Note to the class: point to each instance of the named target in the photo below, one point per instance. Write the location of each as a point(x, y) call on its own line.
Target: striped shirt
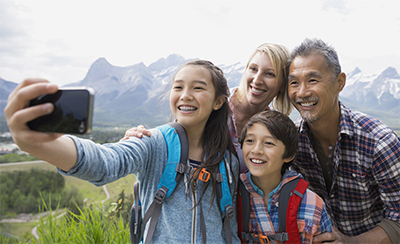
point(312, 217)
point(366, 172)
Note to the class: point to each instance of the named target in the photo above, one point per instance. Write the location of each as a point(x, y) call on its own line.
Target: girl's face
point(192, 97)
point(263, 154)
point(262, 83)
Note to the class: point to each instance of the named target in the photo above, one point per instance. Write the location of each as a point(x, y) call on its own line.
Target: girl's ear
point(218, 103)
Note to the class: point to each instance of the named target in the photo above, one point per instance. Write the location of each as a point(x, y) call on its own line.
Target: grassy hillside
point(91, 192)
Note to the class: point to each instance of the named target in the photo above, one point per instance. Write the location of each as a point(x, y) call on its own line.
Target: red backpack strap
point(289, 201)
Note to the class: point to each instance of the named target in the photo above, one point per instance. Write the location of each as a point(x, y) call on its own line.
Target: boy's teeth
point(256, 161)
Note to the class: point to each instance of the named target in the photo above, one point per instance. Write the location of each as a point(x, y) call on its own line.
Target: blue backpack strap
point(178, 150)
point(225, 199)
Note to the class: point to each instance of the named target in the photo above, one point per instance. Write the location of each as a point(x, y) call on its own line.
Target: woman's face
point(192, 97)
point(262, 85)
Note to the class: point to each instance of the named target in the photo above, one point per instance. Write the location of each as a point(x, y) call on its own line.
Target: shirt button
point(354, 175)
point(329, 156)
point(332, 195)
point(277, 204)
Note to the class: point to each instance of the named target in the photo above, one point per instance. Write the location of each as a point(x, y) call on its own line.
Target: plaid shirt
point(312, 217)
point(366, 180)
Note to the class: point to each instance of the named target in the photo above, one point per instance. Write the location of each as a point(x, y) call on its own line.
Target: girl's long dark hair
point(217, 139)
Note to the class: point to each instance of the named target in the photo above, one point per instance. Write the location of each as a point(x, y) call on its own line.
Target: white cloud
point(60, 39)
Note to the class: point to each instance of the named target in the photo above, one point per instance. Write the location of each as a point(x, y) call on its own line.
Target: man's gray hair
point(310, 46)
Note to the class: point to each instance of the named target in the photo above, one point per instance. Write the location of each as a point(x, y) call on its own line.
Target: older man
point(350, 159)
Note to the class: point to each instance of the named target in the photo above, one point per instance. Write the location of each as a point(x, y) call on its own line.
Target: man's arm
point(376, 235)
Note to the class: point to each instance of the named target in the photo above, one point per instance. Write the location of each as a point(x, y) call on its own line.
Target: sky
point(59, 40)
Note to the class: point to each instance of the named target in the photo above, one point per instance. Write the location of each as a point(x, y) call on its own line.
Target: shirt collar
point(345, 124)
point(259, 191)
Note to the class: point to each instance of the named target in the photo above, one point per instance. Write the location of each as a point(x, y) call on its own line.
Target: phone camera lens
point(82, 127)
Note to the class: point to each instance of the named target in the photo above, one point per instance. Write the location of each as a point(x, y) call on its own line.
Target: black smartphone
point(73, 110)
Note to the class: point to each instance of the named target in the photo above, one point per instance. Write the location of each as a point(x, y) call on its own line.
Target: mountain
point(377, 95)
point(6, 87)
point(135, 94)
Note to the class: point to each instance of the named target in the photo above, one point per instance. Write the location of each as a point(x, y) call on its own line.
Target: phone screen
point(72, 112)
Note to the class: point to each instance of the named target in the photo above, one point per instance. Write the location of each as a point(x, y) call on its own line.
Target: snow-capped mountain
point(134, 94)
point(373, 91)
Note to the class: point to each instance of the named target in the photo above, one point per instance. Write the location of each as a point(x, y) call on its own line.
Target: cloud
point(60, 39)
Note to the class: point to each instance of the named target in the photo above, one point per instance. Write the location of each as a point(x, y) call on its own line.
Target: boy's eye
point(248, 140)
point(177, 87)
point(199, 88)
point(269, 143)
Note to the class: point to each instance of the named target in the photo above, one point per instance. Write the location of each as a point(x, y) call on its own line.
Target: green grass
point(88, 190)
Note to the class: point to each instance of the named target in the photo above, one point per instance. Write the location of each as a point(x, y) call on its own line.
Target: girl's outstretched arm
point(53, 148)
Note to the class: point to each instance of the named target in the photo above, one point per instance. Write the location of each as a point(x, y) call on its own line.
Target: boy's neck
point(267, 185)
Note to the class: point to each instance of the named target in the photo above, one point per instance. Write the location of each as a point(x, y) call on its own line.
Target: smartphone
point(73, 110)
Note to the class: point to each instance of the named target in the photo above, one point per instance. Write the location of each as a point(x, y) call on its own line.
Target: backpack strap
point(289, 201)
point(135, 219)
point(224, 197)
point(243, 211)
point(290, 198)
point(174, 134)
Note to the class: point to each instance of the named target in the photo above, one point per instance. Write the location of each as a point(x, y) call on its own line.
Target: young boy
point(269, 143)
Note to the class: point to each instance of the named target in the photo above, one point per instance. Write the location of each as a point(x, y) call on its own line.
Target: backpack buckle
point(229, 211)
point(204, 175)
point(160, 195)
point(262, 238)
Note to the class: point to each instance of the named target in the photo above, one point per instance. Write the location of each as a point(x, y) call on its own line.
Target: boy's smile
point(263, 154)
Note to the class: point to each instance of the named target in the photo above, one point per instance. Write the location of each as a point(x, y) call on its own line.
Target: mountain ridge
point(134, 94)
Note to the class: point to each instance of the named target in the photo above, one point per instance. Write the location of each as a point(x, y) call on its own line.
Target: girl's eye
point(199, 88)
point(248, 140)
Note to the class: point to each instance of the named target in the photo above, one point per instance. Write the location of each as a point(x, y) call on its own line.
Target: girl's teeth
point(187, 108)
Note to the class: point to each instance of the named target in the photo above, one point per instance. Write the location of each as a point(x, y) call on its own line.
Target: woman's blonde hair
point(279, 56)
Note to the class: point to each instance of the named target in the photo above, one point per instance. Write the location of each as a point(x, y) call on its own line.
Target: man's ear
point(218, 103)
point(341, 80)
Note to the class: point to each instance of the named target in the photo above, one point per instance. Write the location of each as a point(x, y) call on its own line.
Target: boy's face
point(263, 154)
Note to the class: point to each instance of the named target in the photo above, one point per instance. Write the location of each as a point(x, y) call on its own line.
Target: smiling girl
point(198, 100)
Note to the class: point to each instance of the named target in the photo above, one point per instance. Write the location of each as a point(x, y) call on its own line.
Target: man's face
point(313, 89)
